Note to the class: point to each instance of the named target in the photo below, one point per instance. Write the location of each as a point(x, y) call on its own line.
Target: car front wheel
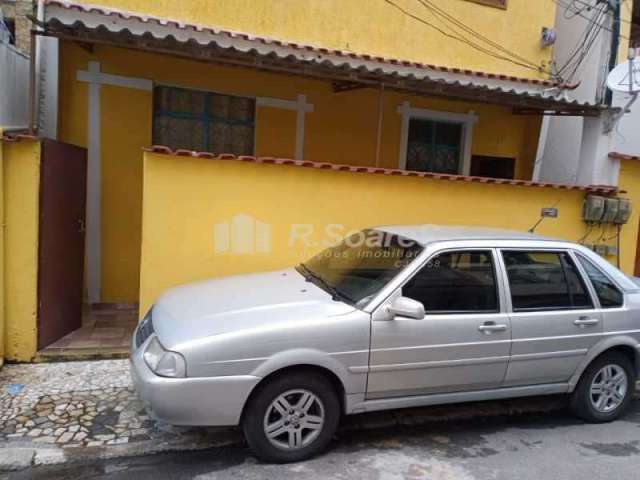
point(292, 418)
point(605, 389)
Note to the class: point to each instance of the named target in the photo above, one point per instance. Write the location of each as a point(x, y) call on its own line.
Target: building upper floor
point(494, 36)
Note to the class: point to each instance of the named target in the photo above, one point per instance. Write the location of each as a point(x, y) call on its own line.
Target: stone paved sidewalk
point(82, 411)
point(62, 409)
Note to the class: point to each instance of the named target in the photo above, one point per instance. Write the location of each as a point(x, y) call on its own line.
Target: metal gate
point(63, 188)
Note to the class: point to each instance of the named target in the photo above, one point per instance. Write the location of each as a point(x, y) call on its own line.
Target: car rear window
point(542, 280)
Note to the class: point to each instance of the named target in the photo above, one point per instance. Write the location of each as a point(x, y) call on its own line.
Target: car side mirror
point(406, 307)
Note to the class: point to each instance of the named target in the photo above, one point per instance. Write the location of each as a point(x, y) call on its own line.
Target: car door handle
point(584, 321)
point(489, 328)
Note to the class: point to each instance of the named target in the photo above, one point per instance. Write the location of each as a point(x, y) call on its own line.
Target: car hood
point(227, 305)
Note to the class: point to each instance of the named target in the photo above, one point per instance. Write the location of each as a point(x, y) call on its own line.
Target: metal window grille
point(203, 121)
point(434, 146)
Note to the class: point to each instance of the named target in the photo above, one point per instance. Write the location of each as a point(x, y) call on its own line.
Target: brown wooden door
point(63, 190)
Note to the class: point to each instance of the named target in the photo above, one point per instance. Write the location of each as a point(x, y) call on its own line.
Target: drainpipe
point(615, 44)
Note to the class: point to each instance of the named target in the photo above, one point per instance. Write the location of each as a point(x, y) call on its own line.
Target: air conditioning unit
point(602, 250)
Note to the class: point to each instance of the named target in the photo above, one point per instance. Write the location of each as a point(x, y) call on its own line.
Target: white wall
point(565, 157)
point(14, 89)
point(627, 132)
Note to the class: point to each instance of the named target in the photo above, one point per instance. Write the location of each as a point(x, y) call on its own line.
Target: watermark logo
point(243, 234)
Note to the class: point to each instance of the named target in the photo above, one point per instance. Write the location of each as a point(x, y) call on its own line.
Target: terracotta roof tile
point(160, 149)
point(16, 137)
point(623, 156)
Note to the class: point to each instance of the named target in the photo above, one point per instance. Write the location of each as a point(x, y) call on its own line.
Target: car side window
point(456, 282)
point(541, 280)
point(608, 294)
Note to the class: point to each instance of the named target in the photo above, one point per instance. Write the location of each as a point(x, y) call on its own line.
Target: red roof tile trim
point(623, 156)
point(125, 15)
point(602, 189)
point(16, 137)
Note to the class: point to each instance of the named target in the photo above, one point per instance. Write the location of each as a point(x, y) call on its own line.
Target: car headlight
point(164, 362)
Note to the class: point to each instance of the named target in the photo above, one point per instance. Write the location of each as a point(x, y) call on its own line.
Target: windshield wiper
point(313, 277)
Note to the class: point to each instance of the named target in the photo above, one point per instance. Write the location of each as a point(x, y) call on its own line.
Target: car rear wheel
point(292, 418)
point(605, 389)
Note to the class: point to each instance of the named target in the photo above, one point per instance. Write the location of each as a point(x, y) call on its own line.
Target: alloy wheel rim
point(294, 419)
point(608, 388)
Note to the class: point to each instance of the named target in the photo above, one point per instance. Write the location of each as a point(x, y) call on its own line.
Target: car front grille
point(145, 329)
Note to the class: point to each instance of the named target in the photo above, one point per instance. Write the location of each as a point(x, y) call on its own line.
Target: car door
point(463, 341)
point(554, 319)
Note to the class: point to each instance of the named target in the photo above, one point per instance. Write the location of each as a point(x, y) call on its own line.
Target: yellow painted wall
point(625, 29)
point(374, 26)
point(125, 127)
point(21, 180)
point(185, 197)
point(630, 182)
point(342, 129)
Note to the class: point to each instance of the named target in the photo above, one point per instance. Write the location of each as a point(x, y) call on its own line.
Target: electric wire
point(584, 237)
point(453, 36)
point(583, 47)
point(445, 17)
point(565, 5)
point(623, 20)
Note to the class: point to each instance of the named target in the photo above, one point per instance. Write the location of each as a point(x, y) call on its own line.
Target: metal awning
point(346, 70)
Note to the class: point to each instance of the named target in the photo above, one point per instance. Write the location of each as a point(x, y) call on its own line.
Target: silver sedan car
point(392, 317)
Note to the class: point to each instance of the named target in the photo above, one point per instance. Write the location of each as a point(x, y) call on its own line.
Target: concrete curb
point(22, 457)
point(16, 458)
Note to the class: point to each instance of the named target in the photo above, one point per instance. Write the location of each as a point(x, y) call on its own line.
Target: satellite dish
point(625, 77)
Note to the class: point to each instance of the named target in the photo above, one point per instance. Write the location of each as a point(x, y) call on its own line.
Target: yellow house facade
point(338, 127)
point(453, 88)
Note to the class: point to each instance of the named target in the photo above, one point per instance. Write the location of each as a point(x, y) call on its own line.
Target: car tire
point(598, 397)
point(292, 417)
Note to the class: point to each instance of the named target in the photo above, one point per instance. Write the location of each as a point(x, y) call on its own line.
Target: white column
point(405, 111)
point(301, 111)
point(93, 214)
point(301, 107)
point(93, 249)
point(596, 168)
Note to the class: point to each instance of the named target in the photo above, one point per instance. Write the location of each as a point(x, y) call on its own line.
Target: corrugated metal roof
point(117, 27)
point(601, 189)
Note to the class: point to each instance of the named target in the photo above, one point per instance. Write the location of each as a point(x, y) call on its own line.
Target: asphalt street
point(552, 445)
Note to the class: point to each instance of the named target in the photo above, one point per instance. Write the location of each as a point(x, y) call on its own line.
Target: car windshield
point(361, 265)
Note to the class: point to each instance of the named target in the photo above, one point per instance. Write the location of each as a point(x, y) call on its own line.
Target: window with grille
point(203, 121)
point(434, 146)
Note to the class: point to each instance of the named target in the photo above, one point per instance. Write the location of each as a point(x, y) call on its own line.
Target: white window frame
point(467, 120)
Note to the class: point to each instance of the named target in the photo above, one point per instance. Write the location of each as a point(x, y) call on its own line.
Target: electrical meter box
point(610, 210)
point(593, 209)
point(624, 211)
point(601, 250)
